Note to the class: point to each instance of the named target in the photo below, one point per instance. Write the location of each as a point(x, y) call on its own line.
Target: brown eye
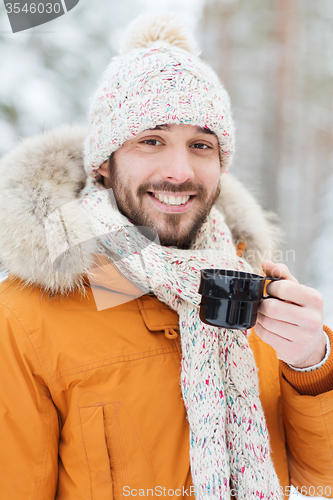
point(200, 145)
point(152, 142)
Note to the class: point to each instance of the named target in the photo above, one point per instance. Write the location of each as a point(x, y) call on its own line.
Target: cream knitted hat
point(158, 79)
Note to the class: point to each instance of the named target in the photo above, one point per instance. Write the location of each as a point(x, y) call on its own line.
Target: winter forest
point(275, 58)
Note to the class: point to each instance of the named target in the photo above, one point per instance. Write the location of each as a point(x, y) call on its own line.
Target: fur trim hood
point(46, 172)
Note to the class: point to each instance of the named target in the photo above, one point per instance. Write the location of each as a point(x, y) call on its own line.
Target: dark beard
point(140, 218)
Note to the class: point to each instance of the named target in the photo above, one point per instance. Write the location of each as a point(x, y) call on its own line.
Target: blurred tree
point(276, 60)
point(49, 73)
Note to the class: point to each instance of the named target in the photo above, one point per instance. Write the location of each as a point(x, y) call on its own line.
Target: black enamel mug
point(230, 299)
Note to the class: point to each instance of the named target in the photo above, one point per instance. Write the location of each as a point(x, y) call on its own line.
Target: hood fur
point(44, 173)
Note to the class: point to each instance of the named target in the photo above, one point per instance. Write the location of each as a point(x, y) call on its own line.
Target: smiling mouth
point(171, 199)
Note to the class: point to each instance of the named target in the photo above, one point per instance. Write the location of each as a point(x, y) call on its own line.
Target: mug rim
point(231, 273)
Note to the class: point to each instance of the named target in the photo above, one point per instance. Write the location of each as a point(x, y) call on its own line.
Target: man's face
point(166, 178)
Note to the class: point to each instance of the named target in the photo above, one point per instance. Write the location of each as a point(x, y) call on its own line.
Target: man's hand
point(293, 326)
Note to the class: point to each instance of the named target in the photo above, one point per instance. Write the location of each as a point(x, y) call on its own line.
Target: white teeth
point(172, 200)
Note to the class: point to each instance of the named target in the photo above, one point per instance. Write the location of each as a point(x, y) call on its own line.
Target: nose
point(177, 167)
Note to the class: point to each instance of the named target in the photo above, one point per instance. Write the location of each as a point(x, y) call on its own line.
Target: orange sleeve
point(308, 422)
point(315, 382)
point(29, 430)
point(307, 407)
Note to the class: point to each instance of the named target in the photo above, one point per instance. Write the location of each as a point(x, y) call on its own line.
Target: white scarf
point(229, 442)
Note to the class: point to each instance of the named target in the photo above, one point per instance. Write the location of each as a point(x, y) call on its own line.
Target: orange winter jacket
point(90, 398)
point(91, 404)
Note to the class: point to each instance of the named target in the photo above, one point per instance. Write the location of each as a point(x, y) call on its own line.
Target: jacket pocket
point(115, 456)
point(130, 468)
point(92, 424)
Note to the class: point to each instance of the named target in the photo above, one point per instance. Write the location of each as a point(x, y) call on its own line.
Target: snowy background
point(276, 60)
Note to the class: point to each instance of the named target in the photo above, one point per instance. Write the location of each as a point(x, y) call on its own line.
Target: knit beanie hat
point(158, 79)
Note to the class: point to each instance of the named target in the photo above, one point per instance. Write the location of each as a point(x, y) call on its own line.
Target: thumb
point(270, 268)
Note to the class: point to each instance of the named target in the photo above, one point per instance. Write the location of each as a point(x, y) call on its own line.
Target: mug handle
point(271, 278)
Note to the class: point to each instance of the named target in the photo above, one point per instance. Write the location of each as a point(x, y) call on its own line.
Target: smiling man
point(175, 182)
point(110, 392)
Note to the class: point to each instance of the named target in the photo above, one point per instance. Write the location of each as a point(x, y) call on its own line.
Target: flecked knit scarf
point(229, 442)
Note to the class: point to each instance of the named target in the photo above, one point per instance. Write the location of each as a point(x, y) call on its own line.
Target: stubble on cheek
point(171, 228)
point(179, 230)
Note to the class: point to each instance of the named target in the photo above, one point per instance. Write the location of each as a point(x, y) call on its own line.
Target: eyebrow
point(167, 127)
